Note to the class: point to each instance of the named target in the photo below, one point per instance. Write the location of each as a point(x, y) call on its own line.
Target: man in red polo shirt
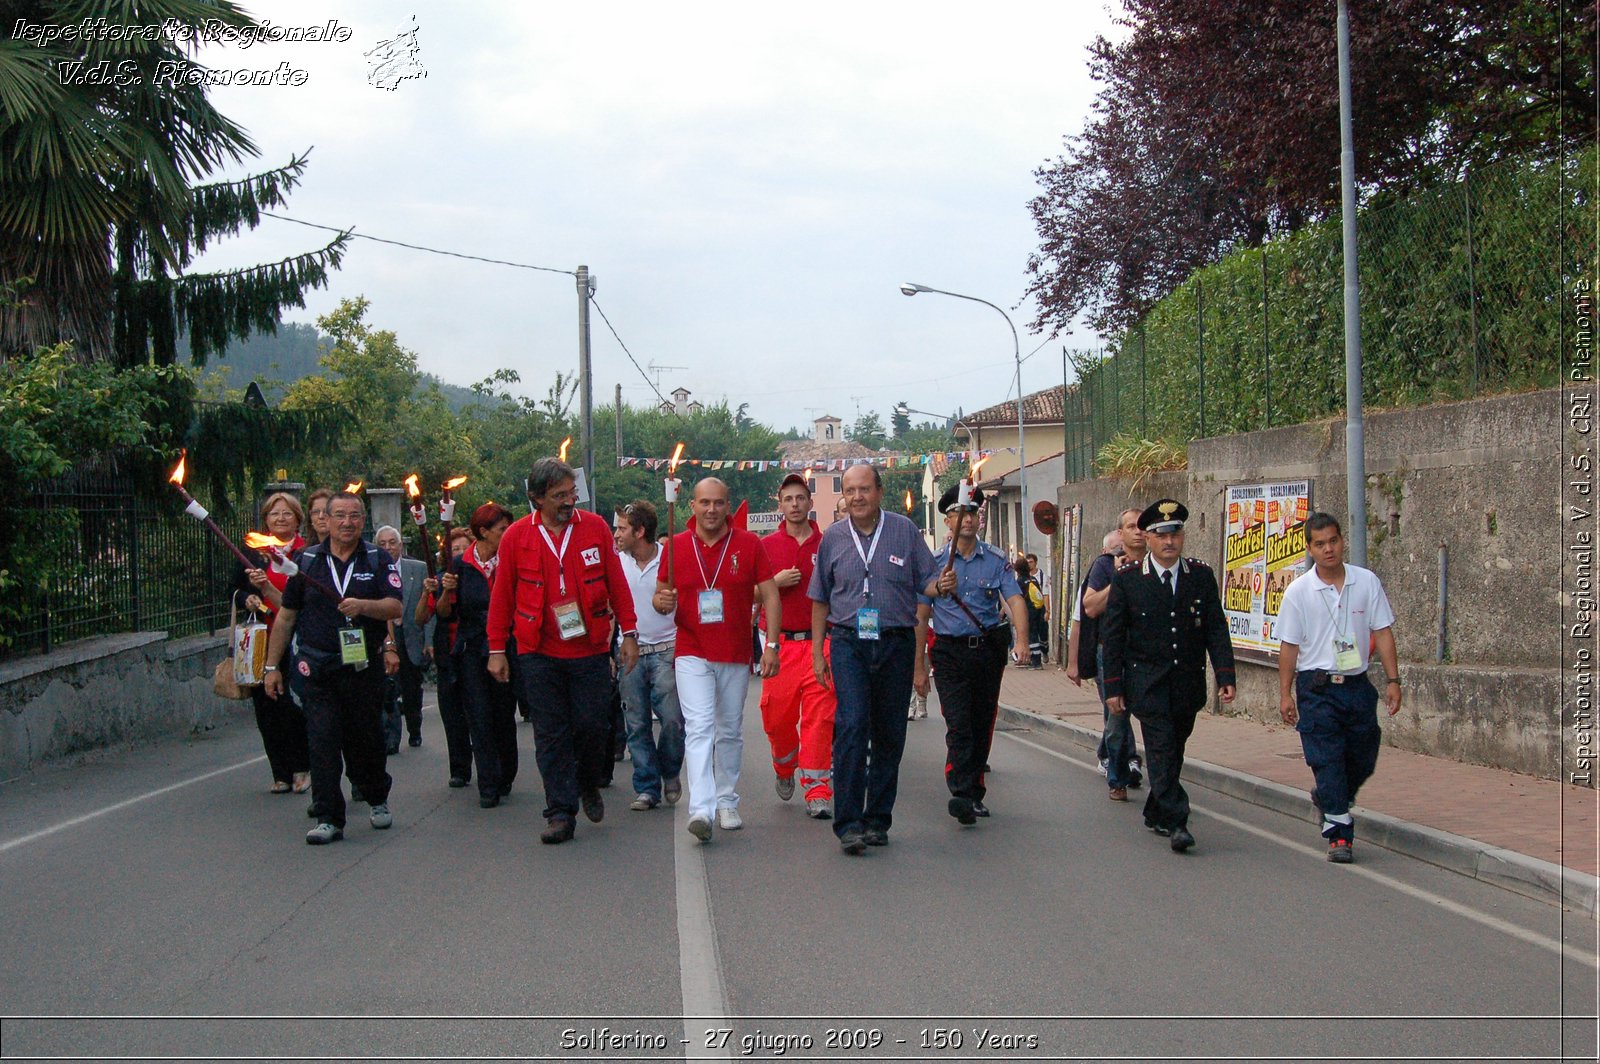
point(796, 710)
point(717, 571)
point(560, 587)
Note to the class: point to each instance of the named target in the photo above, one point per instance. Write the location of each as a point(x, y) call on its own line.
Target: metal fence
point(92, 556)
point(1460, 296)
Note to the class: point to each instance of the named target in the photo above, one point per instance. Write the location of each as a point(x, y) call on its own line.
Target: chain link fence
point(1461, 295)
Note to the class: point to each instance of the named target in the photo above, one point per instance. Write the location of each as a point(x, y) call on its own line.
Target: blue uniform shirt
point(983, 581)
point(901, 566)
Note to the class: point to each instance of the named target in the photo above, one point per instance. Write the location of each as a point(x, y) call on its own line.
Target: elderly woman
point(490, 707)
point(259, 589)
point(452, 714)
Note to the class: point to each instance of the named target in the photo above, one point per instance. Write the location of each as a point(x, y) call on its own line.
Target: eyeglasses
point(563, 496)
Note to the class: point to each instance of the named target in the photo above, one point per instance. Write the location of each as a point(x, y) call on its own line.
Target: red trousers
point(797, 713)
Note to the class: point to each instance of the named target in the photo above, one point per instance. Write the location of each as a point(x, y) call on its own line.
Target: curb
point(1507, 869)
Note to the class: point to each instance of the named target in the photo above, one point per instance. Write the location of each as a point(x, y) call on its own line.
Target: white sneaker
point(323, 834)
point(700, 828)
point(380, 817)
point(728, 819)
point(642, 802)
point(1105, 766)
point(818, 809)
point(785, 786)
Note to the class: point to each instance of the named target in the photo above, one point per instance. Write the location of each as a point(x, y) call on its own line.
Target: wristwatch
point(269, 668)
point(1394, 680)
point(771, 645)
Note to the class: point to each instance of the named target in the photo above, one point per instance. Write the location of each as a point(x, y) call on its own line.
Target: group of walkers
point(570, 618)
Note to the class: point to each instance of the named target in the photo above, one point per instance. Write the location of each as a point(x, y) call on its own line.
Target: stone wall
point(1481, 479)
point(130, 688)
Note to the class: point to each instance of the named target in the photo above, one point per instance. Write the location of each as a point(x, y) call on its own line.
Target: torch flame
point(260, 541)
point(908, 500)
point(677, 456)
point(411, 486)
point(180, 471)
point(564, 445)
point(454, 482)
point(354, 486)
point(973, 474)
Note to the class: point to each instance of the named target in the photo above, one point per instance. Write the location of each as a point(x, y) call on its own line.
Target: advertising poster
point(1263, 549)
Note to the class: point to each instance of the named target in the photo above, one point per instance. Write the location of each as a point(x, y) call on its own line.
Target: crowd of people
point(606, 634)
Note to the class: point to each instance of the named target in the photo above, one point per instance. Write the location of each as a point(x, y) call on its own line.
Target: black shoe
point(1341, 852)
point(961, 809)
point(875, 837)
point(1134, 779)
point(488, 801)
point(853, 842)
point(1181, 840)
point(458, 781)
point(416, 740)
point(394, 750)
point(558, 829)
point(505, 790)
point(355, 794)
point(594, 807)
point(311, 810)
point(979, 809)
point(1158, 829)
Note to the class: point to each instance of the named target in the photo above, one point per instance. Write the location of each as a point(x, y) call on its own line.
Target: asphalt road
point(159, 903)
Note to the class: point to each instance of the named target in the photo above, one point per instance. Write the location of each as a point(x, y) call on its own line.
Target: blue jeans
point(652, 688)
point(1116, 739)
point(872, 681)
point(1340, 735)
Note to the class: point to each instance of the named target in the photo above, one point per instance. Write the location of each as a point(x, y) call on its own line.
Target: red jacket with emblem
point(527, 587)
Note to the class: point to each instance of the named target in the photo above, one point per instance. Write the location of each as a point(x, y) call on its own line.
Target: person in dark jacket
point(452, 714)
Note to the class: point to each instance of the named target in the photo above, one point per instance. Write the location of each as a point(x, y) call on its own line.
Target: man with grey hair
point(404, 688)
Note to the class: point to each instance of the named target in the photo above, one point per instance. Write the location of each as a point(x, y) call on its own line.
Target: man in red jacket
point(559, 588)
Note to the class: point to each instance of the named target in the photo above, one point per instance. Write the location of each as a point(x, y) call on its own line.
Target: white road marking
point(1428, 896)
point(705, 1002)
point(23, 840)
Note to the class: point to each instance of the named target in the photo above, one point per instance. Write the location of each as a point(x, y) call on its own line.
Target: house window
point(838, 484)
point(827, 432)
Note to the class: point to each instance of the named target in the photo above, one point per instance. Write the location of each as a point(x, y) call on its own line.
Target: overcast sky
point(749, 183)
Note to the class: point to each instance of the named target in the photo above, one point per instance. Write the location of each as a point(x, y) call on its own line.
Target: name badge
point(867, 623)
point(1345, 656)
point(353, 647)
point(569, 620)
point(711, 606)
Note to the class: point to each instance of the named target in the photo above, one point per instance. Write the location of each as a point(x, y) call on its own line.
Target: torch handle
point(672, 530)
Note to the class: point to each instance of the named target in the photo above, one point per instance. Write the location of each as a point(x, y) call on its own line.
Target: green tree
point(868, 431)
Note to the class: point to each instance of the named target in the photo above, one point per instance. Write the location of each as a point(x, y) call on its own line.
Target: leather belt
point(797, 637)
point(972, 642)
point(657, 648)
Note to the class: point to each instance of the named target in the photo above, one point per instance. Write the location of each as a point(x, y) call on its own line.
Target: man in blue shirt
point(863, 596)
point(969, 647)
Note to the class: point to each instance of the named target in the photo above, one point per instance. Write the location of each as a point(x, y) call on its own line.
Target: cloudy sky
point(749, 183)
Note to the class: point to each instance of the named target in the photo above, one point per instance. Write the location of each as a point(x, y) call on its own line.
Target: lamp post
point(910, 289)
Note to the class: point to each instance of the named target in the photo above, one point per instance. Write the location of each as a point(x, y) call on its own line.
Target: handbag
point(224, 678)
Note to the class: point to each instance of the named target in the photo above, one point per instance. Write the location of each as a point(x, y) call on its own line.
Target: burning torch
point(672, 484)
point(276, 549)
point(419, 514)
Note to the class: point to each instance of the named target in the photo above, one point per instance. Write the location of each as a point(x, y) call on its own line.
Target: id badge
point(711, 607)
point(866, 623)
point(569, 620)
point(353, 647)
point(1345, 656)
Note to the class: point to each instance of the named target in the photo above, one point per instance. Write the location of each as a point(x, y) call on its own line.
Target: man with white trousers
point(716, 573)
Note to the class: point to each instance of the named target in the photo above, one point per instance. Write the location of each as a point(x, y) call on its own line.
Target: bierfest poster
point(1263, 549)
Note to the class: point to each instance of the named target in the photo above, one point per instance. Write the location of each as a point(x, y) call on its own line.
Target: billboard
point(1263, 549)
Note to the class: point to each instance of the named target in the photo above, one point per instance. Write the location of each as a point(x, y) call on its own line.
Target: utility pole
point(586, 383)
point(1355, 444)
point(619, 420)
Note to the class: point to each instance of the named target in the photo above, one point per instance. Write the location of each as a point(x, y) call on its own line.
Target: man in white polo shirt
point(1329, 618)
point(652, 686)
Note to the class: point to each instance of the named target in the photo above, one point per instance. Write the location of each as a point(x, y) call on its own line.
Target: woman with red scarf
point(260, 590)
point(491, 709)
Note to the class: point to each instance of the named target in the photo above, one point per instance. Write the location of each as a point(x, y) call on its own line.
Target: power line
point(625, 350)
point(419, 247)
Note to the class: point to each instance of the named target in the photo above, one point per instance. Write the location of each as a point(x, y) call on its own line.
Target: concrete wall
point(136, 687)
point(1482, 479)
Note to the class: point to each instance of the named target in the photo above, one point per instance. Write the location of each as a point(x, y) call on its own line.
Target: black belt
point(797, 637)
point(972, 642)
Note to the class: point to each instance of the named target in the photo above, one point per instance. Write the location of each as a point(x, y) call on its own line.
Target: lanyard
point(1334, 610)
point(561, 555)
point(333, 570)
point(711, 585)
point(866, 555)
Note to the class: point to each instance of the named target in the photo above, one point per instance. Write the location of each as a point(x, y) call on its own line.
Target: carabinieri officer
point(969, 647)
point(1162, 619)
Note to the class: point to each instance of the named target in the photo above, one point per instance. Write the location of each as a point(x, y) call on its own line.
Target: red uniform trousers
point(797, 713)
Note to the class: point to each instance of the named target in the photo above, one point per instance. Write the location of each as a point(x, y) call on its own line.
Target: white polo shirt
point(1312, 613)
point(653, 627)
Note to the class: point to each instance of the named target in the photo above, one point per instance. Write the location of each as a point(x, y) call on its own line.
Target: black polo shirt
point(372, 575)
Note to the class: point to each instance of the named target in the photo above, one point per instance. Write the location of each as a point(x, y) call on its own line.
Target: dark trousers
point(1117, 748)
point(453, 716)
point(345, 733)
point(491, 714)
point(283, 734)
point(968, 678)
point(872, 682)
point(1166, 730)
point(1339, 733)
point(571, 703)
point(403, 697)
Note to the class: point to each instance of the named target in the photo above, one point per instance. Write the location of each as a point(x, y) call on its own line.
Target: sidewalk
point(1500, 826)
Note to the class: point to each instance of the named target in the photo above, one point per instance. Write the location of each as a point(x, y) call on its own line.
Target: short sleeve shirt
point(901, 566)
point(1312, 613)
point(733, 565)
point(785, 552)
point(1101, 570)
point(983, 583)
point(371, 574)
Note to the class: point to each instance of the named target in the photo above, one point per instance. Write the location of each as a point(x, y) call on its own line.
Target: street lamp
point(910, 289)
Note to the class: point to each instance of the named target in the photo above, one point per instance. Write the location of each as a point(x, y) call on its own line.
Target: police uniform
point(969, 659)
point(1159, 627)
point(343, 703)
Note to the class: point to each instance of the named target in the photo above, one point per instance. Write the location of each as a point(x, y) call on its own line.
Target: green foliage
point(1126, 455)
point(1435, 325)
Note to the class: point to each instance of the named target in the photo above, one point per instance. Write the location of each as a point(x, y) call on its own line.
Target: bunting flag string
point(939, 460)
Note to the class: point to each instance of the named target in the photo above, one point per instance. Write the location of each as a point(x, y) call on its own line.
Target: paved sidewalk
point(1539, 819)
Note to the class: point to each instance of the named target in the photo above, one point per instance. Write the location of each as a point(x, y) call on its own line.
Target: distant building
point(994, 428)
point(681, 404)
